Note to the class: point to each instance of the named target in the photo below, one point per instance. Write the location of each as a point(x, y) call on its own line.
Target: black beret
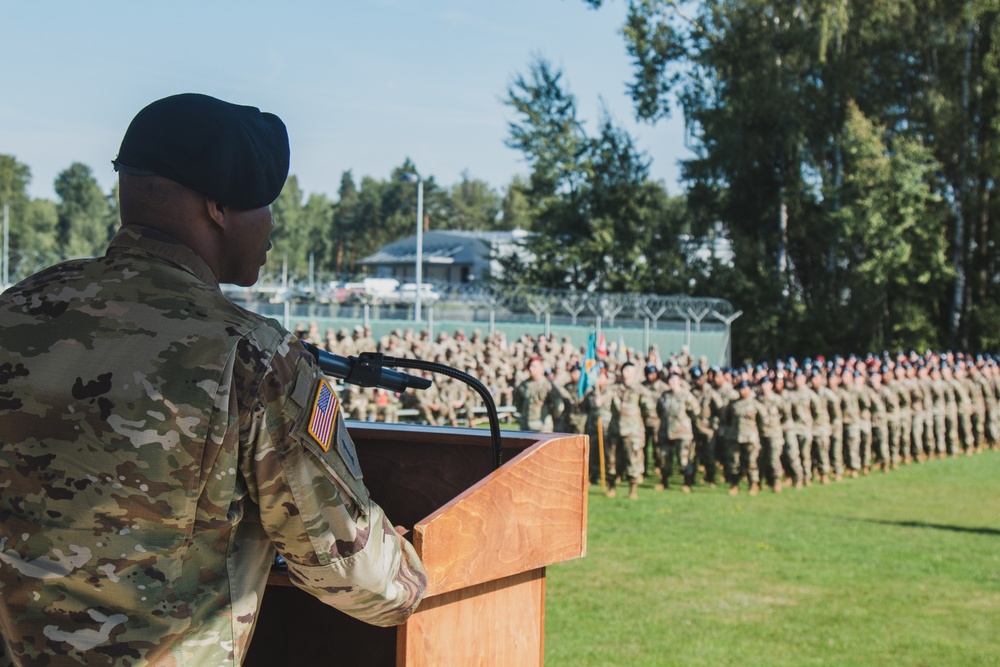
point(233, 154)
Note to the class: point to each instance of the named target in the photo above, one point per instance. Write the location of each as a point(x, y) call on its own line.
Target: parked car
point(374, 290)
point(407, 293)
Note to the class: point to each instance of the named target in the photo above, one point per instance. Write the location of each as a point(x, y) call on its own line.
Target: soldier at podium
point(158, 443)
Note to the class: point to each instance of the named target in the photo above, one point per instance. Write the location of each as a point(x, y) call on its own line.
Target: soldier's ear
point(216, 212)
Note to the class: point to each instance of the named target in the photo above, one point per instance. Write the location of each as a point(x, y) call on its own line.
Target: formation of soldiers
point(777, 424)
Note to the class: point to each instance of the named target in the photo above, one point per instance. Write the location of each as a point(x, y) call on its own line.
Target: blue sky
point(361, 84)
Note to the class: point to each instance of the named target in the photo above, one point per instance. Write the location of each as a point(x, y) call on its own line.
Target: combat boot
point(633, 491)
point(777, 486)
point(754, 488)
point(734, 490)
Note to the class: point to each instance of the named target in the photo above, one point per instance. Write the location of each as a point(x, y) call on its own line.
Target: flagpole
point(600, 450)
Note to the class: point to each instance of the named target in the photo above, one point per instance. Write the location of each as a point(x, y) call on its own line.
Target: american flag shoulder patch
point(324, 414)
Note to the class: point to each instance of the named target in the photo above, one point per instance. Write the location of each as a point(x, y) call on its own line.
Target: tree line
point(844, 150)
point(849, 149)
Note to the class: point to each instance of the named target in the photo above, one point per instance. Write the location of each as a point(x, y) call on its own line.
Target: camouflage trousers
point(951, 437)
point(634, 449)
point(794, 456)
point(772, 449)
point(865, 444)
point(681, 448)
point(742, 462)
point(978, 425)
point(821, 452)
point(939, 431)
point(801, 441)
point(992, 426)
point(966, 437)
point(907, 433)
point(664, 454)
point(895, 435)
point(880, 441)
point(852, 446)
point(595, 455)
point(806, 442)
point(706, 452)
point(837, 449)
point(920, 432)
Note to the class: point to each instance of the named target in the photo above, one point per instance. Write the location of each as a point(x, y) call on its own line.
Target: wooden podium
point(484, 536)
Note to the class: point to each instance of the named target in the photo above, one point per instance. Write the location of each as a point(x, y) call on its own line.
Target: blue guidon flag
point(324, 414)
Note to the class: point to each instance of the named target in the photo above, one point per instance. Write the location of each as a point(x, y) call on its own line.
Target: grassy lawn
point(897, 569)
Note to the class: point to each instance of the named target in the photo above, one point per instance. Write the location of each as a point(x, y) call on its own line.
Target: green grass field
point(887, 570)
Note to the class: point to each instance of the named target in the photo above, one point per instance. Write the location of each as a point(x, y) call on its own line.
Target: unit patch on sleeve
point(323, 418)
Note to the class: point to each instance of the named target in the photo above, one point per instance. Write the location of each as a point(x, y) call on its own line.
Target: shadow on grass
point(937, 526)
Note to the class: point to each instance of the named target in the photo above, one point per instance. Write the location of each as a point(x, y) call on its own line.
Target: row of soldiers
point(815, 422)
point(786, 423)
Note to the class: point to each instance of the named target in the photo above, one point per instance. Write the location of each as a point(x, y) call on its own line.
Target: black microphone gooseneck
point(369, 370)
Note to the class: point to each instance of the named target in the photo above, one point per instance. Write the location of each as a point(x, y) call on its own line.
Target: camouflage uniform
point(773, 435)
point(990, 418)
point(538, 404)
point(877, 400)
point(597, 405)
point(951, 441)
point(922, 404)
point(792, 454)
point(828, 408)
point(629, 409)
point(865, 400)
point(977, 391)
point(704, 431)
point(937, 388)
point(718, 445)
point(655, 389)
point(677, 413)
point(909, 409)
point(802, 401)
point(850, 408)
point(889, 395)
point(744, 418)
point(574, 419)
point(964, 409)
point(155, 448)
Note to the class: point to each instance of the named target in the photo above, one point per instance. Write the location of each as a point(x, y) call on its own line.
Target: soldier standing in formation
point(597, 406)
point(538, 401)
point(744, 418)
point(678, 410)
point(630, 406)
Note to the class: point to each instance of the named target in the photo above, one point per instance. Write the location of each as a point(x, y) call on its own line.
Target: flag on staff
point(602, 346)
point(588, 373)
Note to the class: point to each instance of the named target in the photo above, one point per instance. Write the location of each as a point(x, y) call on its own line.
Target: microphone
point(365, 370)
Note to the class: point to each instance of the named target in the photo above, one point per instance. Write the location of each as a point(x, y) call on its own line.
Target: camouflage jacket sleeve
point(303, 473)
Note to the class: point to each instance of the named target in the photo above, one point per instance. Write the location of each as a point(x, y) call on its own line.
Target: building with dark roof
point(450, 257)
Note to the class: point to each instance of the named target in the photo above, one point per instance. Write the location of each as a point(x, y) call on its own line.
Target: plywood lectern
point(484, 536)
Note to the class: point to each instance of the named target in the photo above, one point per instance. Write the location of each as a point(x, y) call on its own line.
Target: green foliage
point(848, 150)
point(33, 222)
point(84, 213)
point(599, 222)
point(301, 230)
point(473, 205)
